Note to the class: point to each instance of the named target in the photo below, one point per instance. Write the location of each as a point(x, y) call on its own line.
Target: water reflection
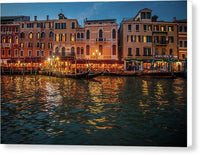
point(104, 111)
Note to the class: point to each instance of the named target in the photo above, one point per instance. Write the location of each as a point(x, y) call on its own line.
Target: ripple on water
point(108, 111)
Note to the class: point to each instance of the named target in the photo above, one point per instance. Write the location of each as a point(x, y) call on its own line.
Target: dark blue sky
point(166, 10)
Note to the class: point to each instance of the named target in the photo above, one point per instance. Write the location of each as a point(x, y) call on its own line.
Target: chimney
point(47, 17)
point(35, 18)
point(174, 19)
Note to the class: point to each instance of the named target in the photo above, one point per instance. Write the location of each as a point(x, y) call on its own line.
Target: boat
point(120, 74)
point(156, 74)
point(77, 76)
point(92, 75)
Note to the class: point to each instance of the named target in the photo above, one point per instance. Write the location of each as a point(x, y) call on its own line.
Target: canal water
point(103, 111)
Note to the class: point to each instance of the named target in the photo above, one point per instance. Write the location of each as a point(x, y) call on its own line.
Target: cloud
point(89, 12)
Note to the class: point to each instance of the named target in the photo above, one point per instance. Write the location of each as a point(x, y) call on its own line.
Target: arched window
point(30, 35)
point(78, 50)
point(72, 51)
point(38, 44)
point(16, 40)
point(51, 34)
point(78, 35)
point(63, 51)
point(10, 40)
point(42, 35)
point(57, 51)
point(170, 51)
point(4, 40)
point(22, 35)
point(114, 50)
point(21, 44)
point(38, 35)
point(82, 50)
point(100, 34)
point(88, 34)
point(114, 34)
point(88, 50)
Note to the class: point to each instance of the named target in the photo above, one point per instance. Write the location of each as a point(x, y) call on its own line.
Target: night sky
point(166, 10)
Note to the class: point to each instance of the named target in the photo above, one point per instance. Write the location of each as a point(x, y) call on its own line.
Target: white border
point(24, 149)
point(189, 73)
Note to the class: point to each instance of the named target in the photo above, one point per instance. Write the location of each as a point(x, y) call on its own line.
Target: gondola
point(120, 74)
point(78, 75)
point(92, 75)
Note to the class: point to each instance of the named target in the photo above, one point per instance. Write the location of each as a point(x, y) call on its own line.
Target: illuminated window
point(137, 38)
point(128, 38)
point(144, 39)
point(57, 37)
point(72, 37)
point(170, 28)
point(38, 35)
point(156, 28)
point(22, 45)
point(16, 40)
point(63, 37)
point(4, 40)
point(149, 27)
point(162, 28)
point(10, 40)
point(31, 35)
point(42, 45)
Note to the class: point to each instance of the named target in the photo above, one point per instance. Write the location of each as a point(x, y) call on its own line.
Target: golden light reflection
point(145, 87)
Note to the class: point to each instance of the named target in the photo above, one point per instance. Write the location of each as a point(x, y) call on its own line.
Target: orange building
point(145, 43)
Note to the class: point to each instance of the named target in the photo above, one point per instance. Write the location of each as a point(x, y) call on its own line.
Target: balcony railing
point(80, 39)
point(161, 43)
point(6, 45)
point(100, 39)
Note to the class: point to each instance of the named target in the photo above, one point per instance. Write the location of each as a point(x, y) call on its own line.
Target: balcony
point(6, 45)
point(80, 39)
point(100, 39)
point(161, 43)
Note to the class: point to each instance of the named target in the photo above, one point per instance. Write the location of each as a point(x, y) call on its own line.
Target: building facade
point(101, 39)
point(145, 42)
point(141, 43)
point(9, 41)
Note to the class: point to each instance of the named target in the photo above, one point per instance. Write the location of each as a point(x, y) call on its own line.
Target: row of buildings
point(141, 42)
